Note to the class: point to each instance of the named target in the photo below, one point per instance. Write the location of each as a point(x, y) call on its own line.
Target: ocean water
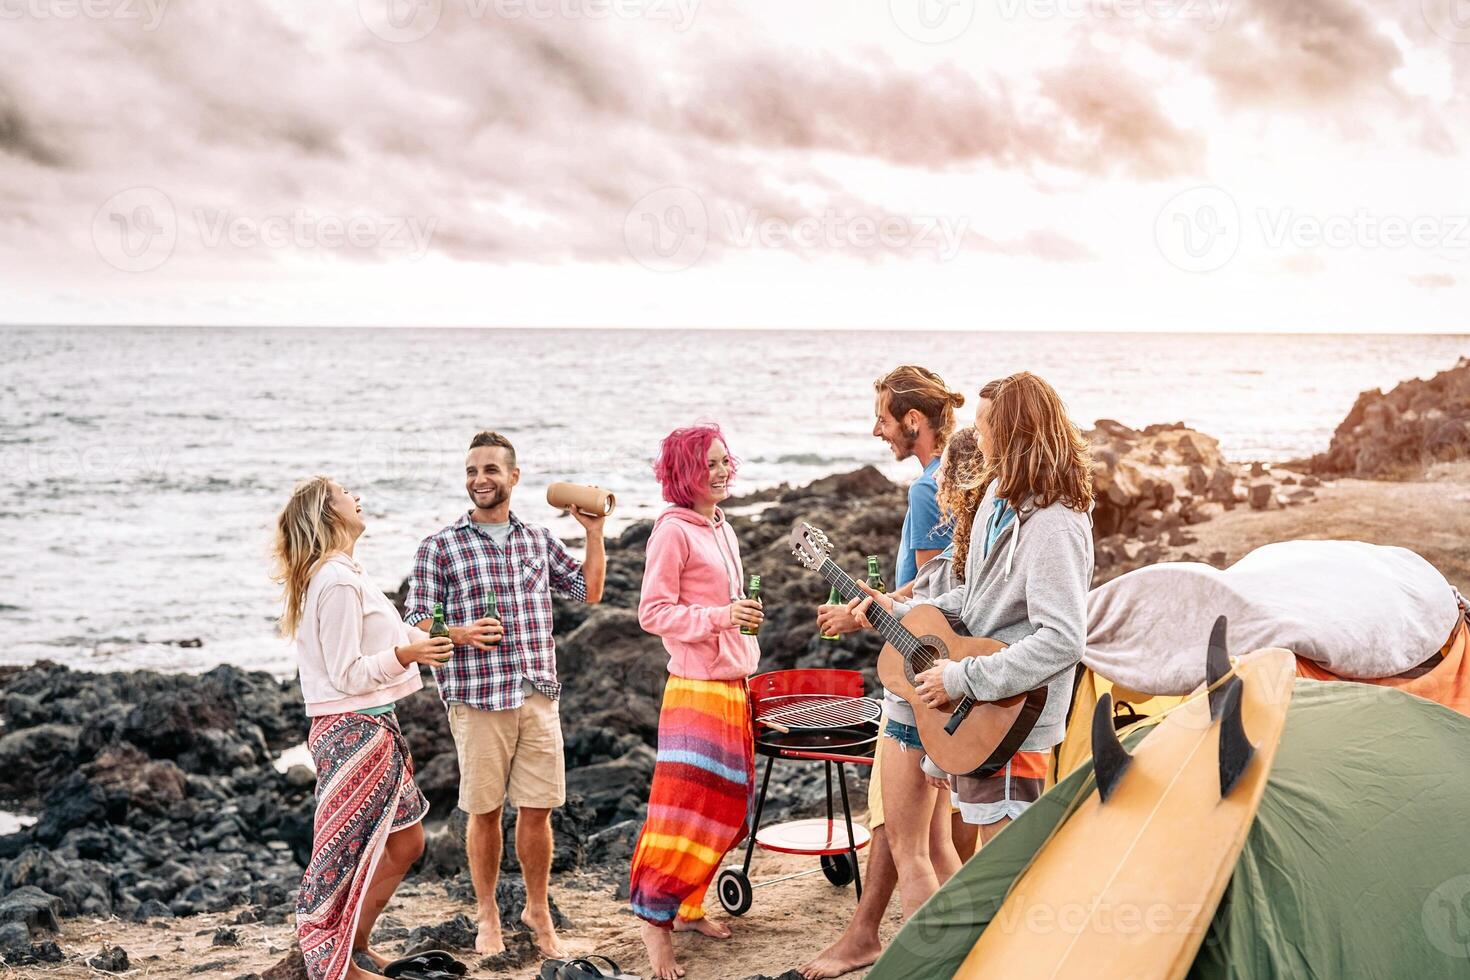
point(142, 468)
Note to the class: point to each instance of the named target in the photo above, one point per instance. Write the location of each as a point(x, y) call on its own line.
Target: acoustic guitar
point(968, 738)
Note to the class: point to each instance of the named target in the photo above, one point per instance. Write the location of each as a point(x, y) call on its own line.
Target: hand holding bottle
point(434, 651)
point(482, 634)
point(746, 613)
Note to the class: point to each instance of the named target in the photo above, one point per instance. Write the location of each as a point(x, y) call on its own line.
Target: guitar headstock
point(810, 545)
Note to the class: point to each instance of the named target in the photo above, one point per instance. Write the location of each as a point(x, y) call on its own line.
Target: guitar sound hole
point(933, 651)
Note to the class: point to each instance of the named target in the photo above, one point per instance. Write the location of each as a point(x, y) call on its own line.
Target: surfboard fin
point(1109, 759)
point(1217, 665)
point(1236, 751)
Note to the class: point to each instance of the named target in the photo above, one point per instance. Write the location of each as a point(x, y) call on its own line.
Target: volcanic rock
point(1399, 434)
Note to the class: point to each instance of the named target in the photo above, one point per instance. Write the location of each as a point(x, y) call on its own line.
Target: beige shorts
point(516, 753)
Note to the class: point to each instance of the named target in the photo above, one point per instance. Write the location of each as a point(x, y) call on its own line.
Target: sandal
point(427, 963)
point(583, 968)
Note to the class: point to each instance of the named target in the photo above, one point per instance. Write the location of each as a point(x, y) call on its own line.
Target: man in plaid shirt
point(500, 686)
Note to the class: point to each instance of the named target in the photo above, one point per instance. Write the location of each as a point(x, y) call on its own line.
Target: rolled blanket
point(1361, 611)
point(365, 791)
point(699, 806)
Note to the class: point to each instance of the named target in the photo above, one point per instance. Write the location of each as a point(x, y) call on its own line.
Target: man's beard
point(497, 497)
point(907, 439)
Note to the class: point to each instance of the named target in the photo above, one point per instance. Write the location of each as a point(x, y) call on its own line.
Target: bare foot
point(660, 946)
point(703, 926)
point(847, 954)
point(488, 941)
point(540, 924)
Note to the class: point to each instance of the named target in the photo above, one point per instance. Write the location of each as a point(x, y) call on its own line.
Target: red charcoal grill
point(808, 716)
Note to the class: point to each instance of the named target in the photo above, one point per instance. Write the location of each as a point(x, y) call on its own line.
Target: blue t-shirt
point(1002, 515)
point(922, 530)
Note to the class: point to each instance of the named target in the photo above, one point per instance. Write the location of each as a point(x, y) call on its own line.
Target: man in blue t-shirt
point(914, 415)
point(924, 535)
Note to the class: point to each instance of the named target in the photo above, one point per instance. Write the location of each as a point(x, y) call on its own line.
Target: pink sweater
point(345, 641)
point(691, 577)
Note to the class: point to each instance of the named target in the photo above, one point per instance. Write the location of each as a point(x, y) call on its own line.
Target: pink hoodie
point(691, 577)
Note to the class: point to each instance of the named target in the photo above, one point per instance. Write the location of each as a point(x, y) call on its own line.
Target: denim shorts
point(905, 735)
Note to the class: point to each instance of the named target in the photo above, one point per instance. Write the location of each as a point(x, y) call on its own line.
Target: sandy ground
point(1430, 516)
point(790, 921)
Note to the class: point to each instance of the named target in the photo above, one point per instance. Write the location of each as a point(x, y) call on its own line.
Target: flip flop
point(433, 961)
point(551, 969)
point(583, 968)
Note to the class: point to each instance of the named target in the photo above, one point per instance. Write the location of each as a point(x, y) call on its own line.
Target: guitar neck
point(883, 621)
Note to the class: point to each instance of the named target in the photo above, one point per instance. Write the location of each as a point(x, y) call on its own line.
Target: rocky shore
point(158, 798)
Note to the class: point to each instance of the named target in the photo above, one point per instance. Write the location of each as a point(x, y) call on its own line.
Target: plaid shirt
point(454, 567)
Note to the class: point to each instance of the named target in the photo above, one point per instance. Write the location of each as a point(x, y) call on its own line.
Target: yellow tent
point(1131, 706)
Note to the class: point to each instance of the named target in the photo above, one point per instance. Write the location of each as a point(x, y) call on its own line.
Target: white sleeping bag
point(1360, 610)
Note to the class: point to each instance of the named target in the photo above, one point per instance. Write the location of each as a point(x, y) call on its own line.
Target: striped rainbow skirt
point(699, 806)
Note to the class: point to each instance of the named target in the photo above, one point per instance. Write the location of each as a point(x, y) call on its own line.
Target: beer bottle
point(833, 599)
point(754, 592)
point(492, 608)
point(875, 577)
point(437, 628)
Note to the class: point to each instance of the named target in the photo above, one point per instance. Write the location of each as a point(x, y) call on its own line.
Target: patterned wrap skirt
point(364, 792)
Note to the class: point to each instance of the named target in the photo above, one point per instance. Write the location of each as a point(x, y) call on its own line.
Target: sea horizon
point(144, 465)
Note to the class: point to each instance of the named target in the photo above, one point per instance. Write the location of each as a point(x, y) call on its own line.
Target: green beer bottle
point(754, 592)
point(833, 599)
point(437, 628)
point(875, 577)
point(492, 608)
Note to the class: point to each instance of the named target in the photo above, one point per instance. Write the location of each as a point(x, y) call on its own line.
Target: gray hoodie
point(1030, 593)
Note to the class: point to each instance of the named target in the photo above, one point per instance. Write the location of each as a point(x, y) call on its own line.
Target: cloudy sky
point(965, 164)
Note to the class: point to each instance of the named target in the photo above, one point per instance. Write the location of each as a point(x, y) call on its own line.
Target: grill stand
point(742, 888)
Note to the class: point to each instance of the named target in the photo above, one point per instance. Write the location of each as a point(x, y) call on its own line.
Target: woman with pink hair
point(704, 779)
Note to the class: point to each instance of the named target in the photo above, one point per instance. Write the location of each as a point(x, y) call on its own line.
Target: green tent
point(1357, 865)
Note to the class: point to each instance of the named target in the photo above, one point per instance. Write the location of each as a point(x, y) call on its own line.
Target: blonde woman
point(1025, 562)
point(356, 658)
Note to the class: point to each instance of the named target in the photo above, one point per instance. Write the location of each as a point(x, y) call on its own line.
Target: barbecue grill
point(807, 716)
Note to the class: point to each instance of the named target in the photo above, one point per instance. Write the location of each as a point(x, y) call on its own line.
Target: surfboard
point(1127, 886)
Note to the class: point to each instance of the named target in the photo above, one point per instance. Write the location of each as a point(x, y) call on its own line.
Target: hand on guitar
point(858, 608)
point(930, 685)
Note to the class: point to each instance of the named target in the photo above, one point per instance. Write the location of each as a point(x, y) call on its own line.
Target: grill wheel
point(734, 890)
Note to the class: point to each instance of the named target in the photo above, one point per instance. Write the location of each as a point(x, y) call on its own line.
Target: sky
point(1157, 165)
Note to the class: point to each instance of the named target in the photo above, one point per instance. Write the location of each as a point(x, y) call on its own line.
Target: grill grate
point(812, 712)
